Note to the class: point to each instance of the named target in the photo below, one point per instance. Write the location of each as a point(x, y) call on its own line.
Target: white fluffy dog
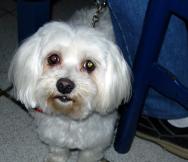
point(77, 77)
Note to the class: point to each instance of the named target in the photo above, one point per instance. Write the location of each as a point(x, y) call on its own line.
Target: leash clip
point(100, 7)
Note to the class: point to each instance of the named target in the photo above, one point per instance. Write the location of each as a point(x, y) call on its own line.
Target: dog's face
point(64, 70)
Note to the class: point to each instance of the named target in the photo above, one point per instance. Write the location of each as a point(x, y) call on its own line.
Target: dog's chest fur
point(94, 131)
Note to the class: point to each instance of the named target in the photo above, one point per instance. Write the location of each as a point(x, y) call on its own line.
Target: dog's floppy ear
point(117, 80)
point(24, 70)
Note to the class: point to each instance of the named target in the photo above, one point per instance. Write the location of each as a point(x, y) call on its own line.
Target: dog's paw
point(54, 158)
point(57, 155)
point(104, 160)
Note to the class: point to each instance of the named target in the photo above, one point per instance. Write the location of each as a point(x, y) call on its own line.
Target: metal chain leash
point(100, 7)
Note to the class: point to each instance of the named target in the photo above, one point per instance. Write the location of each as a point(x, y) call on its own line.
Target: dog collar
point(38, 110)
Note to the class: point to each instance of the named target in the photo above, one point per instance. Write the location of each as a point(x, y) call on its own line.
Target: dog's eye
point(53, 59)
point(88, 66)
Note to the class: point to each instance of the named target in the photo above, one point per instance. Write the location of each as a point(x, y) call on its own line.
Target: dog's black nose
point(65, 86)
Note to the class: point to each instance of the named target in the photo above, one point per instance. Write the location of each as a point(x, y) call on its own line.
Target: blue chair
point(31, 14)
point(147, 72)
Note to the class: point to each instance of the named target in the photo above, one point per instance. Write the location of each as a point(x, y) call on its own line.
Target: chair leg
point(31, 15)
point(145, 58)
point(168, 85)
point(128, 121)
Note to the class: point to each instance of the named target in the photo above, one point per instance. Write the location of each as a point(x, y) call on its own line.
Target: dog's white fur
point(90, 126)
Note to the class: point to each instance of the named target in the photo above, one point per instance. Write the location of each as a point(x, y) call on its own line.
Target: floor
point(18, 142)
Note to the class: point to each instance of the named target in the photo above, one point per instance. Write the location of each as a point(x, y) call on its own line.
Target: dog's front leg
point(58, 155)
point(94, 155)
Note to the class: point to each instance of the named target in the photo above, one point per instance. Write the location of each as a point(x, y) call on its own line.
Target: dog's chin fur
point(85, 120)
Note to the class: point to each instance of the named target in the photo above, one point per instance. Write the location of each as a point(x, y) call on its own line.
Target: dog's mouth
point(64, 98)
